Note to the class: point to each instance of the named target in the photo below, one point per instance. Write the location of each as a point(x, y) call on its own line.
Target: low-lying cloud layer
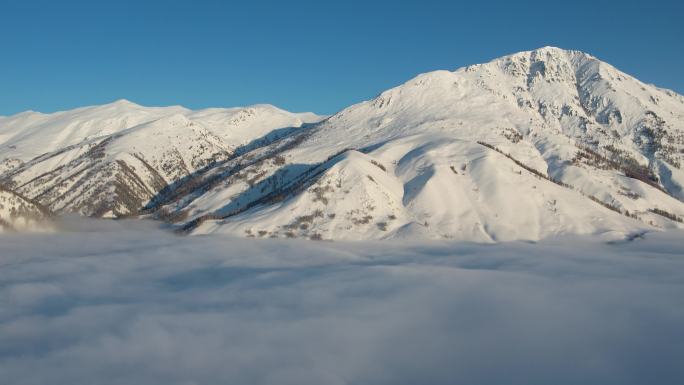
point(127, 303)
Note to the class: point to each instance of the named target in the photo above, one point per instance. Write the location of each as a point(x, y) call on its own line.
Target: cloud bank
point(128, 303)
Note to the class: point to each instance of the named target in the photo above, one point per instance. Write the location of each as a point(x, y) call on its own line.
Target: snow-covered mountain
point(110, 160)
point(527, 146)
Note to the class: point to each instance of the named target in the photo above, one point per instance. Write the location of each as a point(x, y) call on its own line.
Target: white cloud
point(126, 303)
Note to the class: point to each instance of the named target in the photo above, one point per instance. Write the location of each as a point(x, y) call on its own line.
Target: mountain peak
point(554, 49)
point(548, 53)
point(123, 103)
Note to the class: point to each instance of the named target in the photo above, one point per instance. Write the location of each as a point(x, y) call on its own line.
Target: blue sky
point(301, 55)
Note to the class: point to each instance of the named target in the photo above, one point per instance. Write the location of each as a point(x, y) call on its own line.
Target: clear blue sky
point(302, 55)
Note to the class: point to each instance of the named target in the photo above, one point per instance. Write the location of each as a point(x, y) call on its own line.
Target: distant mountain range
point(527, 146)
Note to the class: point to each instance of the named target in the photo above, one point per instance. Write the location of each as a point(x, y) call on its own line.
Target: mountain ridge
point(526, 146)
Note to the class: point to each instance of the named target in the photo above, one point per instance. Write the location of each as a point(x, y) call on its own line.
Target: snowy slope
point(27, 135)
point(19, 213)
point(115, 169)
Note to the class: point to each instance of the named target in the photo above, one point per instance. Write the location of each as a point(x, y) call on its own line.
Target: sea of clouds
point(123, 302)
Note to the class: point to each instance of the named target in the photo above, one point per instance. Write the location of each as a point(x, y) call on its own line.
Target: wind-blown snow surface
point(126, 303)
